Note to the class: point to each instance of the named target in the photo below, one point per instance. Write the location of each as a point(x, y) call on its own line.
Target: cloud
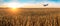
point(40, 5)
point(1, 2)
point(14, 0)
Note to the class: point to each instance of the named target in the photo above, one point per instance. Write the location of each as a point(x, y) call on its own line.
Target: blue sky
point(33, 1)
point(29, 1)
point(50, 2)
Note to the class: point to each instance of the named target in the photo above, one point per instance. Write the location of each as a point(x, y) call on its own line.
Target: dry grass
point(30, 17)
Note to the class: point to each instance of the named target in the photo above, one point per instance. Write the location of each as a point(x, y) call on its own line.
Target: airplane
point(45, 4)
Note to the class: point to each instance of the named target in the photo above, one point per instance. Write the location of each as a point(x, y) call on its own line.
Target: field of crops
point(30, 17)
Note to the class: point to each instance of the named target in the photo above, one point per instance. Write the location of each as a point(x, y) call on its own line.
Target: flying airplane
point(45, 4)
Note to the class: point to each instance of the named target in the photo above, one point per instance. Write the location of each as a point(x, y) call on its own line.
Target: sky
point(33, 2)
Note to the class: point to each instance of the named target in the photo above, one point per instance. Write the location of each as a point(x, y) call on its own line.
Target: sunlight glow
point(13, 10)
point(14, 5)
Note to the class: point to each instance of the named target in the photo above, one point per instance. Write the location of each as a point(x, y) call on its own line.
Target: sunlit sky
point(34, 3)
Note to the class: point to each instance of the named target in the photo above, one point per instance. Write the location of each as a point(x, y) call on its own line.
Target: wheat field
point(30, 17)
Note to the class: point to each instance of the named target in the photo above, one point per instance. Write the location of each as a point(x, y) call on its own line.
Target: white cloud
point(1, 2)
point(40, 5)
point(13, 0)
